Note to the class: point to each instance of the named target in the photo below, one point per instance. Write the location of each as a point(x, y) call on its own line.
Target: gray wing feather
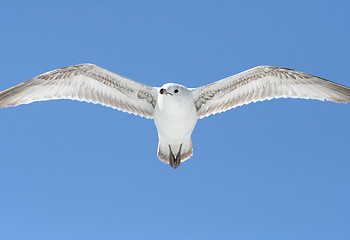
point(85, 82)
point(264, 83)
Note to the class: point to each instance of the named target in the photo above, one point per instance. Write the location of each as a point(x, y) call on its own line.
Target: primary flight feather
point(174, 108)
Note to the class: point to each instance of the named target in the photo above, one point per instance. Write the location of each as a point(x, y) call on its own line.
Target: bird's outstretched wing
point(85, 82)
point(264, 83)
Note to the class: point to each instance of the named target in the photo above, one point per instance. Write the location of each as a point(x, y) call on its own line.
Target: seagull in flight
point(174, 108)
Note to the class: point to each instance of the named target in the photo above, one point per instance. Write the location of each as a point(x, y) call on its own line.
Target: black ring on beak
point(164, 91)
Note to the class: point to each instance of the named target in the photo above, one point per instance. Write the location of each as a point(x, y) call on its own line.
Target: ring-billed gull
point(174, 108)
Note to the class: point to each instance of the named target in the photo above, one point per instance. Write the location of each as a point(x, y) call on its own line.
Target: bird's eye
point(176, 91)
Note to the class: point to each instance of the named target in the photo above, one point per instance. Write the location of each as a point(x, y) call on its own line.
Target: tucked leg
point(171, 158)
point(178, 158)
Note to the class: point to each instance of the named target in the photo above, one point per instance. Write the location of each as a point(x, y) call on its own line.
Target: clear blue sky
point(273, 170)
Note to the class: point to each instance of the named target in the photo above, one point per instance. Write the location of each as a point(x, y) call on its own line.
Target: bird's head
point(173, 90)
point(174, 96)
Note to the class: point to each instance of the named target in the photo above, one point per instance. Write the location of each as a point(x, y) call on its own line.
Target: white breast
point(175, 118)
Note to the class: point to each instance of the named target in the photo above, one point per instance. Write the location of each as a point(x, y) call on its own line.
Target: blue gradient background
point(271, 170)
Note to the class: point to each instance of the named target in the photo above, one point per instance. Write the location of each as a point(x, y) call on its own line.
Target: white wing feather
point(264, 83)
point(85, 82)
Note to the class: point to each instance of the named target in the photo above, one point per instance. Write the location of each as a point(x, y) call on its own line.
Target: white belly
point(175, 121)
